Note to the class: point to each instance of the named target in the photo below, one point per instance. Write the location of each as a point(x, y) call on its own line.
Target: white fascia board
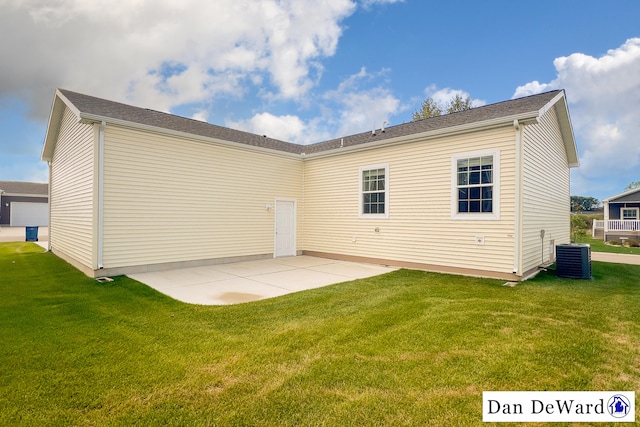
point(68, 103)
point(528, 118)
point(551, 103)
point(55, 118)
point(559, 102)
point(91, 118)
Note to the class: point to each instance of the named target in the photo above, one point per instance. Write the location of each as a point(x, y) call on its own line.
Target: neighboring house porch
point(621, 217)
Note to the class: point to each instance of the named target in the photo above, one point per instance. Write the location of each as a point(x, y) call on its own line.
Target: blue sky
point(306, 71)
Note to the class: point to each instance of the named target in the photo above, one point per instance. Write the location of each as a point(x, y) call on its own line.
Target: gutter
point(93, 118)
point(100, 218)
point(519, 127)
point(531, 117)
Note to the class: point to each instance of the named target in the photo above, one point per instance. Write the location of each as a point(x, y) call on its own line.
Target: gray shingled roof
point(101, 108)
point(513, 107)
point(15, 187)
point(115, 110)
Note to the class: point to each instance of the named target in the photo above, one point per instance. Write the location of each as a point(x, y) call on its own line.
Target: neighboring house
point(481, 192)
point(621, 217)
point(24, 204)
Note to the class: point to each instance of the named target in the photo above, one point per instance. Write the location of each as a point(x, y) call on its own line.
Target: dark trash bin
point(32, 234)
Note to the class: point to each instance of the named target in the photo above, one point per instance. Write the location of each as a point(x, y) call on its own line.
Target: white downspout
point(518, 202)
point(49, 200)
point(100, 193)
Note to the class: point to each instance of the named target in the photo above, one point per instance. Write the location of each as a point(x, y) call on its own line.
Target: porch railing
point(617, 225)
point(623, 225)
point(614, 225)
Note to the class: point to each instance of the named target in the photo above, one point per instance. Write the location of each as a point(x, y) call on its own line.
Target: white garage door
point(29, 214)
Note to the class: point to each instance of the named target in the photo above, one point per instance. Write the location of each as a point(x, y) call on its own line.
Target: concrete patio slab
point(351, 270)
point(254, 280)
point(300, 279)
point(229, 291)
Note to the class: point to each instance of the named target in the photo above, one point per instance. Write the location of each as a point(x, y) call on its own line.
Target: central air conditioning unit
point(573, 261)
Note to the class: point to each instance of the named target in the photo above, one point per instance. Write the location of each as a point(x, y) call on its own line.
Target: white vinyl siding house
point(545, 192)
point(72, 183)
point(137, 190)
point(419, 228)
point(204, 201)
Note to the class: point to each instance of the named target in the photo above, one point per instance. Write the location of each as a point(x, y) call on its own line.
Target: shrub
point(614, 242)
point(578, 221)
point(633, 243)
point(578, 227)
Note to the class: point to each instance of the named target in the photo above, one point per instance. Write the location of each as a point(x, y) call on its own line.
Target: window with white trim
point(475, 185)
point(374, 188)
point(629, 214)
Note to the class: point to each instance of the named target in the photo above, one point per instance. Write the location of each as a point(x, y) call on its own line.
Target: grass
point(597, 245)
point(405, 348)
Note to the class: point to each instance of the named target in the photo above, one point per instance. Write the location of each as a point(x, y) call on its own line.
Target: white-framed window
point(629, 214)
point(475, 185)
point(374, 191)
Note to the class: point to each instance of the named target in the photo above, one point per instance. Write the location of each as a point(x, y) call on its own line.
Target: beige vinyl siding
point(72, 191)
point(420, 227)
point(545, 200)
point(174, 199)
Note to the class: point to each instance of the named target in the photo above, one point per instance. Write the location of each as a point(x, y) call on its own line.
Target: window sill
point(476, 216)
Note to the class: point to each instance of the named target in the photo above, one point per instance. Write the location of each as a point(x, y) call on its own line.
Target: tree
point(632, 186)
point(431, 108)
point(582, 203)
point(458, 103)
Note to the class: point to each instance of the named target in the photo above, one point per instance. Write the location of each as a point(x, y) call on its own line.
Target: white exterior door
point(285, 228)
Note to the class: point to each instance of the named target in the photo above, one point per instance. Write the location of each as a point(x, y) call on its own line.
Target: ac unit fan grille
point(573, 261)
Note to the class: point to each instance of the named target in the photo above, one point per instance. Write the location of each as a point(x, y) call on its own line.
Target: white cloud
point(369, 3)
point(201, 115)
point(444, 95)
point(363, 106)
point(531, 88)
point(120, 50)
point(358, 104)
point(604, 103)
point(286, 128)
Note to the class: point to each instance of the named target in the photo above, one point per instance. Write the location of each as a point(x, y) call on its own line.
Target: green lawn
point(598, 245)
point(406, 348)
